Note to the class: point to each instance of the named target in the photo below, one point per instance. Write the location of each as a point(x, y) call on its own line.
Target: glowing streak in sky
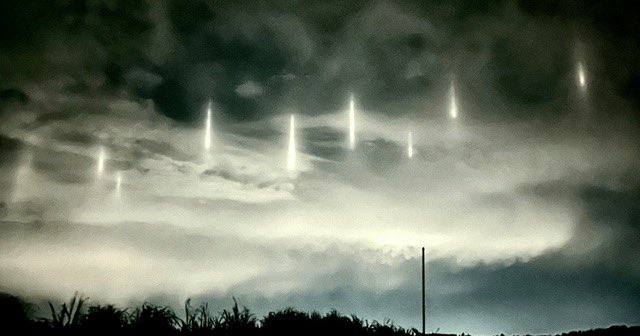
point(207, 132)
point(118, 184)
point(23, 177)
point(100, 161)
point(453, 104)
point(409, 145)
point(352, 124)
point(291, 154)
point(582, 78)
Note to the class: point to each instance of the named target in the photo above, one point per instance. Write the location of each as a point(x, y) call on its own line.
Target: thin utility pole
point(423, 302)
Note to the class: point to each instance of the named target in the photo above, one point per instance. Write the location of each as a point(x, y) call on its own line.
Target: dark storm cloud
point(12, 96)
point(394, 55)
point(63, 167)
point(324, 142)
point(613, 21)
point(93, 42)
point(10, 153)
point(162, 148)
point(78, 138)
point(616, 216)
point(241, 176)
point(376, 149)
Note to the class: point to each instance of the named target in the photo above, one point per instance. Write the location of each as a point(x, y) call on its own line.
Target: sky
point(528, 202)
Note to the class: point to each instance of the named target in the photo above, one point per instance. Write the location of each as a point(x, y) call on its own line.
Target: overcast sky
point(528, 203)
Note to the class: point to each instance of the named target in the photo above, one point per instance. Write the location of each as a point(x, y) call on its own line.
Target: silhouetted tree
point(103, 321)
point(286, 322)
point(15, 313)
point(154, 320)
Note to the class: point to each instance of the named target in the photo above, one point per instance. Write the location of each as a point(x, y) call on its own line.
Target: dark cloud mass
point(528, 201)
point(306, 56)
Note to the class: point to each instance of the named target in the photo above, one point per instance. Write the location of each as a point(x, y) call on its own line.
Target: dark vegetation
point(77, 318)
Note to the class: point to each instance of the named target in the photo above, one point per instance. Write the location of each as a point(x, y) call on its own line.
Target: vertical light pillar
point(207, 129)
point(291, 153)
point(453, 103)
point(409, 144)
point(352, 124)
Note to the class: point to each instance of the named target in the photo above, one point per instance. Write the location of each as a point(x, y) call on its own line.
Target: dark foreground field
point(78, 318)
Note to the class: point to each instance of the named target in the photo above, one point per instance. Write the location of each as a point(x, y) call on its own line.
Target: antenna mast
point(423, 301)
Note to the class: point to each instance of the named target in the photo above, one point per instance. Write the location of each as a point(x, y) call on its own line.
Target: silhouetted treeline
point(76, 318)
point(620, 330)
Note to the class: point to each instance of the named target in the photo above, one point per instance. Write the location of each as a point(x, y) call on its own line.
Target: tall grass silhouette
point(76, 318)
point(67, 316)
point(199, 321)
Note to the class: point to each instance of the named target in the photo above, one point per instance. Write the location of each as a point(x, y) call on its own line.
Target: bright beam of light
point(453, 104)
point(100, 162)
point(291, 154)
point(118, 184)
point(410, 145)
point(582, 78)
point(352, 124)
point(23, 177)
point(207, 131)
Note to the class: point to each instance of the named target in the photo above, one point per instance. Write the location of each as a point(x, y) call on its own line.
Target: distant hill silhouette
point(75, 318)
